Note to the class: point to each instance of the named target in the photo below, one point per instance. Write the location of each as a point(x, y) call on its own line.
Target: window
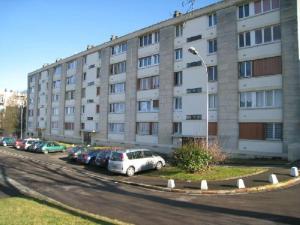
point(57, 71)
point(55, 98)
point(262, 6)
point(98, 72)
point(193, 117)
point(149, 39)
point(267, 34)
point(267, 66)
point(117, 88)
point(56, 84)
point(194, 38)
point(97, 91)
point(82, 125)
point(118, 68)
point(245, 69)
point(90, 101)
point(54, 125)
point(72, 65)
point(70, 95)
point(55, 111)
point(178, 78)
point(177, 128)
point(193, 64)
point(116, 128)
point(261, 99)
point(178, 54)
point(117, 107)
point(91, 83)
point(244, 39)
point(193, 90)
point(149, 61)
point(258, 37)
point(84, 76)
point(177, 103)
point(147, 128)
point(119, 48)
point(70, 80)
point(69, 126)
point(212, 46)
point(273, 131)
point(69, 111)
point(83, 93)
point(212, 101)
point(97, 108)
point(156, 59)
point(148, 106)
point(90, 118)
point(212, 73)
point(148, 83)
point(82, 109)
point(212, 20)
point(179, 30)
point(213, 128)
point(243, 10)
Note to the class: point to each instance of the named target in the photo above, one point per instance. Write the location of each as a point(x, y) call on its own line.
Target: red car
point(20, 144)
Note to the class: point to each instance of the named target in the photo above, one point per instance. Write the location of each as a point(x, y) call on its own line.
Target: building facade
point(147, 89)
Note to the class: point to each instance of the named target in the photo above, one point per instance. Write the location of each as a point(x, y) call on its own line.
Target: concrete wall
point(166, 74)
point(228, 129)
point(291, 85)
point(131, 90)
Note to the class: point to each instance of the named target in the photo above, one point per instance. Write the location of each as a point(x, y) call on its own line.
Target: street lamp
point(194, 51)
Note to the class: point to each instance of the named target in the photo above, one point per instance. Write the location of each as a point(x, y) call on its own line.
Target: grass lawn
point(15, 211)
point(215, 173)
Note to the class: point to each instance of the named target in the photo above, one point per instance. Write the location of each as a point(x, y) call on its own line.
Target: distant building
point(146, 89)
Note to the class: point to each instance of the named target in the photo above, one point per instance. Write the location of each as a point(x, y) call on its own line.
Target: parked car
point(50, 146)
point(88, 157)
point(7, 141)
point(29, 142)
point(75, 151)
point(102, 157)
point(35, 145)
point(20, 144)
point(131, 161)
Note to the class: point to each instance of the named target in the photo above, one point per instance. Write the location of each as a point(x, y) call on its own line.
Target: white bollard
point(294, 172)
point(204, 185)
point(240, 184)
point(171, 183)
point(273, 179)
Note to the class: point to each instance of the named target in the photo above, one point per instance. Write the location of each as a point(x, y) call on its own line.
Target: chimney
point(176, 14)
point(113, 37)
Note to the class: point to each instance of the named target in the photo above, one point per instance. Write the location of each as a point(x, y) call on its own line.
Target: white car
point(29, 142)
point(131, 161)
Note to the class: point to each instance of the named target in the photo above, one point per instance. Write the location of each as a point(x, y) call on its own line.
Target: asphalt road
point(141, 206)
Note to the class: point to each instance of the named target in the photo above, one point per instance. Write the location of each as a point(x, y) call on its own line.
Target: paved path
point(140, 206)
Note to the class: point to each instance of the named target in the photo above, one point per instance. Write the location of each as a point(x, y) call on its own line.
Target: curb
point(263, 188)
point(26, 191)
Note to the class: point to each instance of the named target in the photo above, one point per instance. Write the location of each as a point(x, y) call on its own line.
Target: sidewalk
point(282, 173)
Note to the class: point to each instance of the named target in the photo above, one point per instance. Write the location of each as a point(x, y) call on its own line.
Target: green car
point(50, 146)
point(7, 141)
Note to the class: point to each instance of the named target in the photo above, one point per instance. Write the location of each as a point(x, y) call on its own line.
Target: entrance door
point(87, 138)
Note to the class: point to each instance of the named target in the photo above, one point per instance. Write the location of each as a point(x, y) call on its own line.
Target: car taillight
point(122, 157)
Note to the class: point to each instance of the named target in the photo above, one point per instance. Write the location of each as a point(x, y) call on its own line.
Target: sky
point(35, 32)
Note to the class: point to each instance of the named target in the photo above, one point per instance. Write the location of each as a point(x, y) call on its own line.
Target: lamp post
point(22, 105)
point(194, 51)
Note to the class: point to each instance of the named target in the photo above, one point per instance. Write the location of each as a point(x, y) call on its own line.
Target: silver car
point(131, 161)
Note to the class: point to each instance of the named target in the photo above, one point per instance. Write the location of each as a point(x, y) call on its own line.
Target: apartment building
point(147, 89)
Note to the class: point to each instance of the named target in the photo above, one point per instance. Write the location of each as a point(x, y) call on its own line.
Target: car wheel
point(130, 171)
point(159, 165)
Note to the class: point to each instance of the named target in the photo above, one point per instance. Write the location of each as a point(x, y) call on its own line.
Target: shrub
point(197, 156)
